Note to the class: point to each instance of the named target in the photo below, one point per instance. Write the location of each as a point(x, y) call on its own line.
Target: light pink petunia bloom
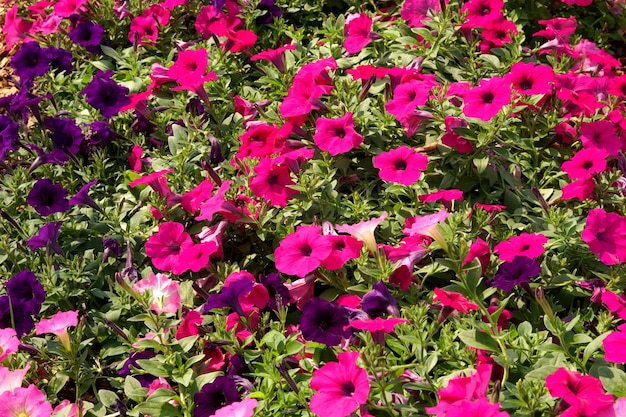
point(341, 387)
point(9, 342)
point(20, 402)
point(363, 231)
point(10, 380)
point(244, 408)
point(58, 325)
point(164, 293)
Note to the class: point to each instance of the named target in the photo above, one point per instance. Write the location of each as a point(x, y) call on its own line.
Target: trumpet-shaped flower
point(341, 387)
point(363, 231)
point(9, 344)
point(487, 99)
point(24, 402)
point(164, 293)
point(337, 136)
point(529, 245)
point(324, 322)
point(302, 251)
point(605, 234)
point(358, 32)
point(402, 165)
point(271, 182)
point(167, 245)
point(582, 392)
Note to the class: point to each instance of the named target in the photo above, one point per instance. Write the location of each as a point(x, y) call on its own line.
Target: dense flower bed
point(238, 208)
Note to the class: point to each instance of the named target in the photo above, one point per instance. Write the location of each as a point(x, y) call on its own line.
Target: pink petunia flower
point(459, 389)
point(615, 303)
point(402, 165)
point(9, 342)
point(581, 189)
point(302, 251)
point(272, 181)
point(487, 99)
point(529, 245)
point(58, 325)
point(10, 380)
point(378, 327)
point(363, 231)
point(336, 136)
point(445, 196)
point(166, 246)
point(605, 234)
point(454, 300)
point(585, 162)
point(584, 393)
point(417, 12)
point(189, 325)
point(615, 346)
point(275, 56)
point(600, 135)
point(528, 78)
point(479, 250)
point(341, 387)
point(164, 293)
point(20, 402)
point(344, 248)
point(480, 12)
point(244, 408)
point(358, 32)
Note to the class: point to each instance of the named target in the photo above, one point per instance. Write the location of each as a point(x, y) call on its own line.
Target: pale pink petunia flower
point(21, 402)
point(244, 408)
point(9, 342)
point(363, 231)
point(164, 293)
point(10, 380)
point(58, 325)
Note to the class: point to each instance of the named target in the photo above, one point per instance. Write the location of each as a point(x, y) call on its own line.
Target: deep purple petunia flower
point(215, 395)
point(111, 247)
point(21, 319)
point(47, 197)
point(101, 134)
point(323, 322)
point(229, 296)
point(31, 61)
point(64, 133)
point(379, 301)
point(87, 34)
point(26, 292)
point(272, 12)
point(82, 197)
point(275, 288)
point(46, 238)
point(131, 364)
point(60, 60)
point(517, 272)
point(104, 94)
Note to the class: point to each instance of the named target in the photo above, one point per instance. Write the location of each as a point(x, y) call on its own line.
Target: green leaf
point(178, 140)
point(593, 346)
point(479, 340)
point(274, 340)
point(613, 380)
point(153, 367)
point(134, 390)
point(108, 398)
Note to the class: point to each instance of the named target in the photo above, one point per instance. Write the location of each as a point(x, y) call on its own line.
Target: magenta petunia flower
point(336, 136)
point(302, 251)
point(480, 12)
point(487, 99)
point(358, 32)
point(479, 250)
point(615, 346)
point(463, 388)
point(582, 392)
point(402, 165)
point(528, 78)
point(600, 135)
point(615, 303)
point(445, 196)
point(166, 246)
point(585, 162)
point(417, 12)
point(344, 248)
point(605, 234)
point(341, 387)
point(581, 189)
point(409, 95)
point(164, 293)
point(271, 182)
point(275, 56)
point(20, 402)
point(529, 245)
point(454, 300)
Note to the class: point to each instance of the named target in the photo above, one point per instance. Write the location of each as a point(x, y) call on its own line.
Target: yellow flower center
point(22, 414)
